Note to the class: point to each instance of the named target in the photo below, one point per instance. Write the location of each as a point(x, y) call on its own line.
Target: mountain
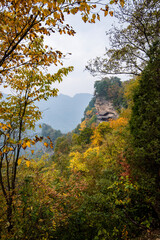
point(64, 112)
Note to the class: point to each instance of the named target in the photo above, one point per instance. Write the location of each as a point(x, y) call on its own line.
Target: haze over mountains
point(64, 112)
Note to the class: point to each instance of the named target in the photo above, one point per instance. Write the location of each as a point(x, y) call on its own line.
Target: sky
point(89, 41)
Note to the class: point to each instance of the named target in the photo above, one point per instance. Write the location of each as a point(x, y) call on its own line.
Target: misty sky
point(89, 41)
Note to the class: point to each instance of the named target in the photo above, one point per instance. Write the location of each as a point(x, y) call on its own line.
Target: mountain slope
point(64, 112)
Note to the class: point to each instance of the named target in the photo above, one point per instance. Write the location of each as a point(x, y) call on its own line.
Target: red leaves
point(125, 172)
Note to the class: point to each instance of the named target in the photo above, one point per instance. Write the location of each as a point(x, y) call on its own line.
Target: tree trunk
point(9, 215)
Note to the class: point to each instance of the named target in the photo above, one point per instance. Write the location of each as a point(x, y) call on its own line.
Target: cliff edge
point(105, 110)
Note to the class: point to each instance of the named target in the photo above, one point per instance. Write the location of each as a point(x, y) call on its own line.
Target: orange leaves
point(24, 145)
point(93, 18)
point(28, 142)
point(105, 10)
point(57, 15)
point(4, 127)
point(111, 13)
point(60, 31)
point(98, 17)
point(50, 144)
point(45, 144)
point(85, 18)
point(74, 10)
point(105, 13)
point(122, 2)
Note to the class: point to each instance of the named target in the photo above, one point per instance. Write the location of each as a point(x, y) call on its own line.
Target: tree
point(19, 114)
point(144, 124)
point(23, 23)
point(130, 42)
point(85, 136)
point(22, 29)
point(111, 89)
point(48, 131)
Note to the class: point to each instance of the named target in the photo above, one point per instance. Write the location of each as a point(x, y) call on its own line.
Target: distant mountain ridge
point(64, 112)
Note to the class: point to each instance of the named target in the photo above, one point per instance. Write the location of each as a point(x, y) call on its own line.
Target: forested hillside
point(102, 181)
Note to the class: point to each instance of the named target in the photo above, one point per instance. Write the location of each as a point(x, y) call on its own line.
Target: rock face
point(105, 110)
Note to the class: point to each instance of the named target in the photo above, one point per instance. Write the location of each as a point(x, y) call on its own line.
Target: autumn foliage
point(96, 184)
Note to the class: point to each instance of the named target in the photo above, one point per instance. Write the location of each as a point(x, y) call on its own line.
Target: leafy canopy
point(130, 41)
point(24, 23)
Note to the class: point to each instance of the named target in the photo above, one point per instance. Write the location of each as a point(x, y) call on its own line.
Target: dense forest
point(102, 180)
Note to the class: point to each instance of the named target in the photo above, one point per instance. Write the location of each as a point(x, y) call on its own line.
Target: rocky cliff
point(105, 110)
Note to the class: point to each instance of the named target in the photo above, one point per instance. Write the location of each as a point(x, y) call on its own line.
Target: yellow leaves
point(49, 14)
point(77, 163)
point(5, 150)
point(28, 163)
point(9, 125)
point(122, 2)
point(56, 15)
point(19, 161)
point(88, 162)
point(24, 145)
point(82, 6)
point(91, 152)
point(5, 126)
point(28, 144)
point(93, 16)
point(83, 125)
point(97, 138)
point(105, 10)
point(74, 11)
point(32, 151)
point(85, 18)
point(89, 112)
point(120, 122)
point(45, 144)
